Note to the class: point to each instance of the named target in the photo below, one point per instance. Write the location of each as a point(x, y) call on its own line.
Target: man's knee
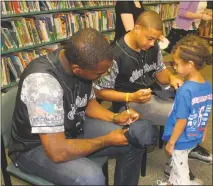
point(142, 133)
point(94, 127)
point(91, 177)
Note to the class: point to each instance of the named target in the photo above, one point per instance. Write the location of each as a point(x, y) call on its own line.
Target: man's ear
point(191, 64)
point(137, 29)
point(76, 69)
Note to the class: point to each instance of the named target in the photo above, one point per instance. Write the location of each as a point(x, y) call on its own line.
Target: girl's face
point(182, 68)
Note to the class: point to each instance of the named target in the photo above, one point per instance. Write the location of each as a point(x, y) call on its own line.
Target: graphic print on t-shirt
point(198, 119)
point(79, 102)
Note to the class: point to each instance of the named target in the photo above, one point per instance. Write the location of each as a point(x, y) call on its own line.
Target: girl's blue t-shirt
point(193, 102)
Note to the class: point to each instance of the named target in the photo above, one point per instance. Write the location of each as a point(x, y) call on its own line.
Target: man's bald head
point(150, 19)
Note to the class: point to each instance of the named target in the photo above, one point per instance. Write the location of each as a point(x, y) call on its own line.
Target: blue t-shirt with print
point(193, 102)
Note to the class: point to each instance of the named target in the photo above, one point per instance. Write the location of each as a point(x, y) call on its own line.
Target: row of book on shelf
point(28, 31)
point(13, 64)
point(165, 11)
point(17, 7)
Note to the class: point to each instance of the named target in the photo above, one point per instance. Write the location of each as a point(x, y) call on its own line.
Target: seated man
point(137, 67)
point(51, 136)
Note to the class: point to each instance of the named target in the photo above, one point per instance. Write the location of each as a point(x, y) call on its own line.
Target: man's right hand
point(117, 138)
point(141, 96)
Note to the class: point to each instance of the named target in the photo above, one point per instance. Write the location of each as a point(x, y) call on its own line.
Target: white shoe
point(201, 154)
point(161, 182)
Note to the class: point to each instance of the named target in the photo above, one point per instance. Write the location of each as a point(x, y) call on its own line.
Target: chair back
point(8, 104)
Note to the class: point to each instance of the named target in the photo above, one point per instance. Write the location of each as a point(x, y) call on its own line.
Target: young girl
point(186, 126)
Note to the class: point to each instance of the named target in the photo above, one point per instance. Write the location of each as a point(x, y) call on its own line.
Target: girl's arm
point(177, 131)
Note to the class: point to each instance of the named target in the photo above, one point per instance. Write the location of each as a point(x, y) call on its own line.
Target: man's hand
point(206, 17)
point(169, 148)
point(175, 82)
point(127, 117)
point(141, 96)
point(117, 137)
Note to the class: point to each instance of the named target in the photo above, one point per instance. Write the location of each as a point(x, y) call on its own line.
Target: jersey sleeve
point(107, 81)
point(92, 94)
point(160, 64)
point(43, 96)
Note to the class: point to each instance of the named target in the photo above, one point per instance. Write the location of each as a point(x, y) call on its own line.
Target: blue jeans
point(86, 170)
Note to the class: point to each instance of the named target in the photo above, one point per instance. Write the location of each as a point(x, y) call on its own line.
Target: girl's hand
point(169, 148)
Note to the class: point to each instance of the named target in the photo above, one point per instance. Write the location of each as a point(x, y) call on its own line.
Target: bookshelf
point(77, 15)
point(44, 44)
point(167, 10)
point(56, 11)
point(27, 42)
point(12, 84)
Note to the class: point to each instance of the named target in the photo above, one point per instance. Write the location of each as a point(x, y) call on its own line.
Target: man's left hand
point(175, 82)
point(127, 117)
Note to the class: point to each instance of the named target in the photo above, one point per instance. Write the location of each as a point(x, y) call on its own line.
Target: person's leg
point(180, 168)
point(128, 158)
point(180, 173)
point(80, 171)
point(156, 110)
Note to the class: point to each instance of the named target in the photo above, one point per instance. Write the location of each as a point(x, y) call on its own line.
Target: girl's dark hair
point(194, 48)
point(88, 47)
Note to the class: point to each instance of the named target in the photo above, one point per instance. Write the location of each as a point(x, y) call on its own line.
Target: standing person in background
point(186, 126)
point(190, 14)
point(126, 14)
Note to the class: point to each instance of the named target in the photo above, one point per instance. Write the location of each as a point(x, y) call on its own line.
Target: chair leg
point(105, 171)
point(160, 137)
point(143, 163)
point(6, 176)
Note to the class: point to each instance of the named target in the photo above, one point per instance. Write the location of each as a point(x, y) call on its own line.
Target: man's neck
point(64, 62)
point(129, 40)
